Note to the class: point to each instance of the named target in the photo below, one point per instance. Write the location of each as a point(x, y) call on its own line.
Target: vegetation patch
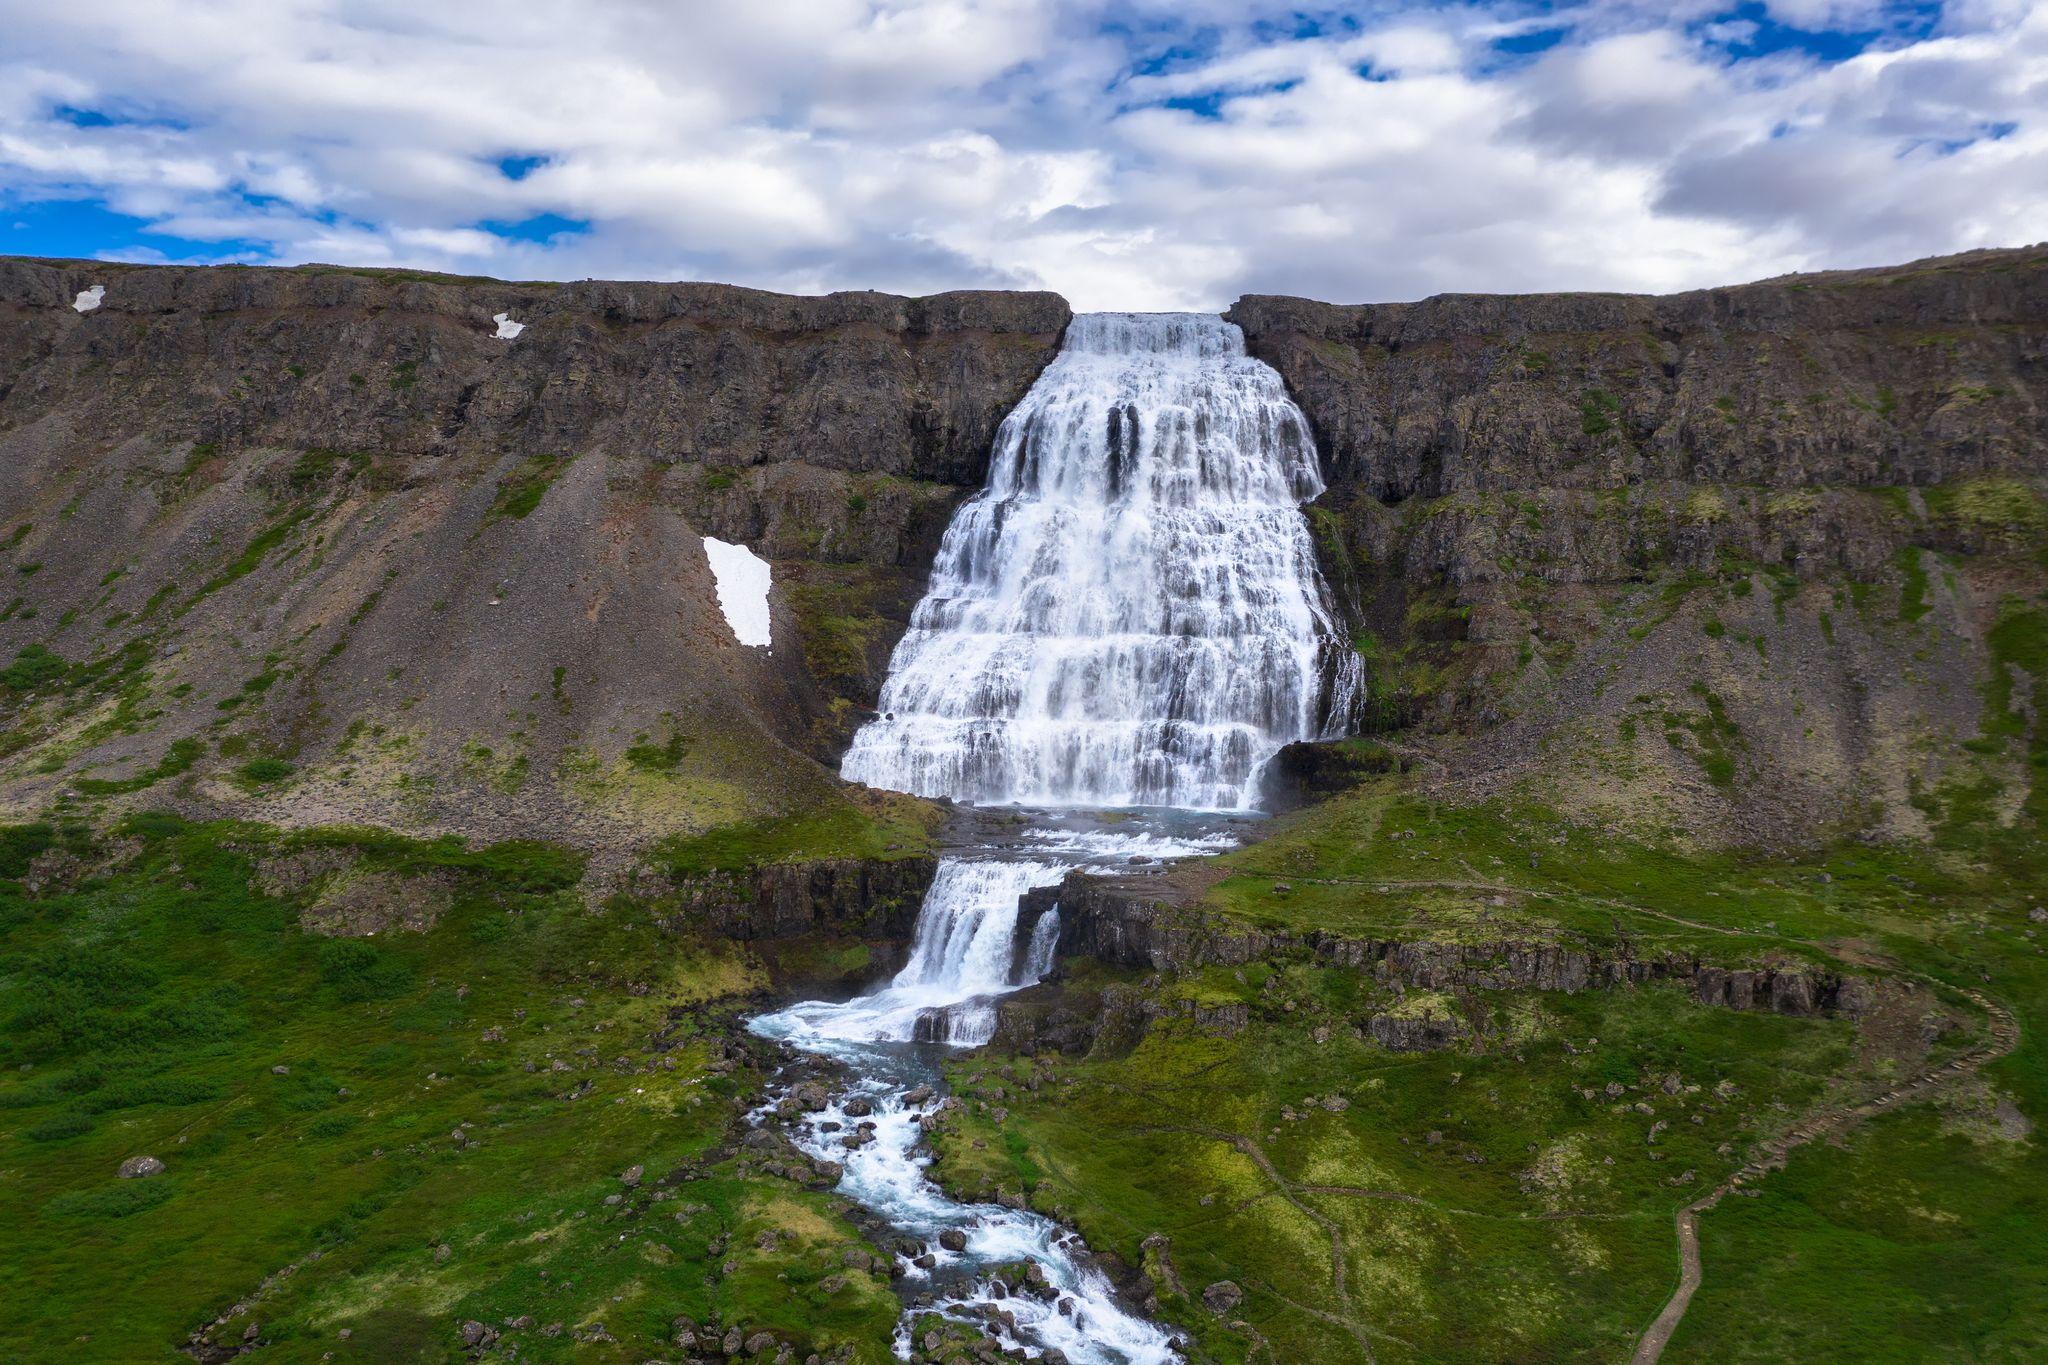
point(863, 824)
point(521, 491)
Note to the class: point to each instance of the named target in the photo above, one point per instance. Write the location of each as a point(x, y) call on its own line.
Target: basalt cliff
point(1734, 562)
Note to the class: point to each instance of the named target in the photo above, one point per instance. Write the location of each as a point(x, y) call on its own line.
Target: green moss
point(664, 757)
point(1598, 410)
point(837, 625)
point(35, 668)
point(878, 825)
point(302, 1092)
point(1714, 736)
point(262, 771)
point(1913, 602)
point(253, 554)
point(179, 758)
point(1999, 506)
point(521, 491)
point(1485, 1209)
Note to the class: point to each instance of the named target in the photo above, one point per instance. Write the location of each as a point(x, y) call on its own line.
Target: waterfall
point(1128, 615)
point(1130, 612)
point(963, 956)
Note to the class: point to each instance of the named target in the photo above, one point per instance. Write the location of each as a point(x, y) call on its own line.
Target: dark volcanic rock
point(1125, 926)
point(341, 483)
point(865, 897)
point(1555, 520)
point(1490, 392)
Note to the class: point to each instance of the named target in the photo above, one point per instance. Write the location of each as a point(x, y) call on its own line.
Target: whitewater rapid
point(894, 1041)
point(1128, 616)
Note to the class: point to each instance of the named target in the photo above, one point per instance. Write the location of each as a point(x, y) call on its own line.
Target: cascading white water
point(965, 953)
point(1129, 615)
point(1130, 612)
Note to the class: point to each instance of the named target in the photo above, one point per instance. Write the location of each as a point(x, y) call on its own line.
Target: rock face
point(1730, 561)
point(394, 361)
point(299, 499)
point(1866, 378)
point(852, 896)
point(1124, 927)
point(1734, 555)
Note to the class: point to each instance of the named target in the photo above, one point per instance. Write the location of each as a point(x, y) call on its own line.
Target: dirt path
point(1772, 1155)
point(1347, 1319)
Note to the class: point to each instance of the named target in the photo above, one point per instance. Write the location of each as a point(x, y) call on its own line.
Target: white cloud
point(1130, 153)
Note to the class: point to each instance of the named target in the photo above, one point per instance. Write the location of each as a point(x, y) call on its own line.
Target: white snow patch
point(89, 299)
point(743, 579)
point(507, 329)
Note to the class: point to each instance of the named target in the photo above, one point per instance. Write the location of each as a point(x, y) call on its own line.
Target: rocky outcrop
point(405, 362)
point(1303, 773)
point(1049, 1017)
point(456, 578)
point(863, 898)
point(1562, 521)
point(1915, 375)
point(1124, 927)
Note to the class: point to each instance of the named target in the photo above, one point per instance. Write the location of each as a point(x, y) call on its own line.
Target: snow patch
point(743, 580)
point(89, 299)
point(507, 329)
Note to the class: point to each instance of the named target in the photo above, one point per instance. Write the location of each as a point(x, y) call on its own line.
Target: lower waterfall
point(1129, 616)
point(893, 1040)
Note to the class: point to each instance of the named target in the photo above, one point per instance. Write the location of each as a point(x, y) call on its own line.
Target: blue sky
point(1129, 153)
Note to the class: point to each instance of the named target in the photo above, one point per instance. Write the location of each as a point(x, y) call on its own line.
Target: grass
point(837, 625)
point(1529, 1221)
point(262, 771)
point(1920, 1238)
point(521, 491)
point(303, 1093)
point(179, 758)
point(1598, 411)
point(1913, 602)
point(34, 668)
point(861, 824)
point(253, 554)
point(1922, 1241)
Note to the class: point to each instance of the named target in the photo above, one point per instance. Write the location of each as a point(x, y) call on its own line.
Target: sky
point(1131, 154)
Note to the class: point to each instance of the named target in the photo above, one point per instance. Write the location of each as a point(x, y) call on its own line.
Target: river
point(1120, 632)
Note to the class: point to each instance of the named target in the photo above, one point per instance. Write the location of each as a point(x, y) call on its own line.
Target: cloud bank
point(1128, 153)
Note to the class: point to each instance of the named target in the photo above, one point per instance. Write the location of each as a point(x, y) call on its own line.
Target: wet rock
point(953, 1239)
